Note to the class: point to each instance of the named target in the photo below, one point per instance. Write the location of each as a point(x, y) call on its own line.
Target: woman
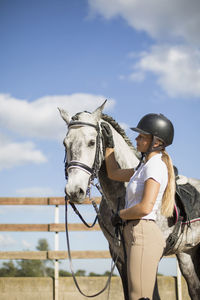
point(151, 188)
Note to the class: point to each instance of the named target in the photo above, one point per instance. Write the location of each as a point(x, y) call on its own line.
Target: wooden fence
point(55, 228)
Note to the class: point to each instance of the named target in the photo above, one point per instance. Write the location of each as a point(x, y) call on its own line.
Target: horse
point(85, 155)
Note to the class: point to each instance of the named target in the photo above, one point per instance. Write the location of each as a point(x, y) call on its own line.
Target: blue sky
point(143, 57)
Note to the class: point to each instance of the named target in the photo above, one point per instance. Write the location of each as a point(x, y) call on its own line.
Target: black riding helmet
point(158, 125)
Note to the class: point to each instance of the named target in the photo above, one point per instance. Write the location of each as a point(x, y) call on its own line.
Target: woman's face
point(143, 142)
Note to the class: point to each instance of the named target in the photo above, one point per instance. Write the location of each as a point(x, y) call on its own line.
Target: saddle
point(186, 210)
point(187, 201)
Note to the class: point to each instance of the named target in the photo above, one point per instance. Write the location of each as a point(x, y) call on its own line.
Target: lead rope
point(71, 265)
point(78, 213)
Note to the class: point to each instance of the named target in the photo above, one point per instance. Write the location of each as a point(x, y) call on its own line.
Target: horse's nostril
point(81, 192)
point(75, 195)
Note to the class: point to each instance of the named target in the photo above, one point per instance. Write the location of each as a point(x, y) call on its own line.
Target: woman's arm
point(113, 170)
point(151, 189)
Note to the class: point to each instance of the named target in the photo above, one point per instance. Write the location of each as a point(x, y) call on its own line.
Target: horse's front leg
point(186, 264)
point(156, 295)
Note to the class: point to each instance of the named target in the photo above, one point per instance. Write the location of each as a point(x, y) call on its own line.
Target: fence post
point(179, 285)
point(56, 262)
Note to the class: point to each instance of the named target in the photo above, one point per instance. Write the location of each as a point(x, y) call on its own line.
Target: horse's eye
point(91, 143)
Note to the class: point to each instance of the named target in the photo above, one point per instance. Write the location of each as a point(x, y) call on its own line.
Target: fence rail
point(40, 201)
point(53, 254)
point(56, 227)
point(53, 227)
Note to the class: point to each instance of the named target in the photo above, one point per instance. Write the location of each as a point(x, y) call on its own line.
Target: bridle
point(93, 172)
point(77, 164)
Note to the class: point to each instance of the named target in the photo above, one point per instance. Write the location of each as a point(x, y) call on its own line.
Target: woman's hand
point(107, 135)
point(115, 219)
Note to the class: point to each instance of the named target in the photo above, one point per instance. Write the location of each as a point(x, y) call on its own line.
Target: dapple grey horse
point(81, 143)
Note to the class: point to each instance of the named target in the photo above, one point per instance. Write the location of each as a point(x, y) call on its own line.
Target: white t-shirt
point(154, 168)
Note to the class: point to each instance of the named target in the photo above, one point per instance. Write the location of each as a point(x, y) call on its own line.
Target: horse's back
point(195, 182)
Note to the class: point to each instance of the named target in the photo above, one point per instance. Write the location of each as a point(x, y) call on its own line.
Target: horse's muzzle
point(77, 195)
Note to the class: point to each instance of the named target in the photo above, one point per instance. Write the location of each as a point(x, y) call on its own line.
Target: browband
point(78, 123)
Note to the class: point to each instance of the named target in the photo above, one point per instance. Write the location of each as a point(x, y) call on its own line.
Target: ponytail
point(169, 194)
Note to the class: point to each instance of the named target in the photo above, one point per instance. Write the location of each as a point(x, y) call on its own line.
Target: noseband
point(79, 165)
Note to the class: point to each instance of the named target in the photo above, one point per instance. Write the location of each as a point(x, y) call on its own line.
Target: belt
point(128, 221)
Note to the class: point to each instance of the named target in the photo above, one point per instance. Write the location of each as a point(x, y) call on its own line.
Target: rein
point(71, 265)
point(93, 172)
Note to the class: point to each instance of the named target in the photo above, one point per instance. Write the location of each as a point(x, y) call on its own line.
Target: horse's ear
point(64, 114)
point(97, 113)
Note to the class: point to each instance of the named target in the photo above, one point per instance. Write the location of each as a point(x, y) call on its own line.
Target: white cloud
point(177, 69)
point(6, 241)
point(15, 154)
point(168, 19)
point(40, 118)
point(137, 76)
point(26, 244)
point(35, 192)
point(37, 119)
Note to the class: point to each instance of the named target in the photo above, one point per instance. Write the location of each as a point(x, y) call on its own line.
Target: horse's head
point(82, 144)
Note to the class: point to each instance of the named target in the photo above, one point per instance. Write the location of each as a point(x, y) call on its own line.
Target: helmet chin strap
point(151, 149)
point(141, 160)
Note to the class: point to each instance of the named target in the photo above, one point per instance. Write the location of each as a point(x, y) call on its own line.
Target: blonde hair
point(169, 194)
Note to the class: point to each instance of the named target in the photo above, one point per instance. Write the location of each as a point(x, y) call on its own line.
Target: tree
point(42, 245)
point(8, 270)
point(35, 268)
point(80, 273)
point(63, 273)
point(107, 273)
point(30, 268)
point(93, 274)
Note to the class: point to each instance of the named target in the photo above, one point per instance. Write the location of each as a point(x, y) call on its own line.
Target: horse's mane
point(121, 131)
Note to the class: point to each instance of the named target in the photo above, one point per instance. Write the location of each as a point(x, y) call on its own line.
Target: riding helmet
point(157, 125)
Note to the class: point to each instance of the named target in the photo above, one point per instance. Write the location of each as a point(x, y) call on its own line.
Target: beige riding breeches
point(144, 247)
